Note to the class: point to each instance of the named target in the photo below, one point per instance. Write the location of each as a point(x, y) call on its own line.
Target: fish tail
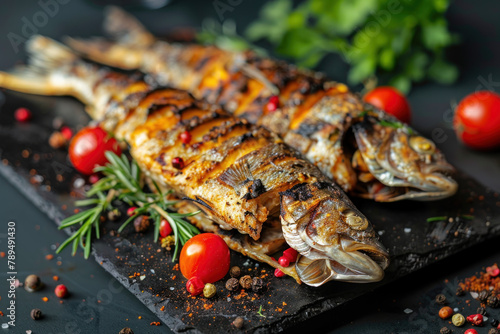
point(124, 28)
point(38, 77)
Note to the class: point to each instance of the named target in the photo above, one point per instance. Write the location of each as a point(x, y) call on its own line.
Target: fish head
point(409, 165)
point(334, 239)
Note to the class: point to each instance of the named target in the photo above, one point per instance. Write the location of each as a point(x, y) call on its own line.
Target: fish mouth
point(353, 262)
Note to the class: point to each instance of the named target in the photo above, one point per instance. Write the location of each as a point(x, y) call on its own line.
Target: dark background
point(382, 311)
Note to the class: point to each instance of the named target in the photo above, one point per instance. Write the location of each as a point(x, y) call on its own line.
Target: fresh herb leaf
point(468, 217)
point(437, 219)
point(122, 181)
point(259, 312)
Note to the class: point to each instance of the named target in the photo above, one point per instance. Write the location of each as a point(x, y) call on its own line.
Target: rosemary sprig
point(396, 125)
point(123, 181)
point(444, 218)
point(259, 312)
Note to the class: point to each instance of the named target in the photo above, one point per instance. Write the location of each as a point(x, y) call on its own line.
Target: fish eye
point(354, 221)
point(422, 145)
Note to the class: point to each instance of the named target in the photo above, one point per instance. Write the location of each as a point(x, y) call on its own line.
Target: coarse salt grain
point(474, 294)
point(381, 232)
point(79, 182)
point(152, 271)
point(172, 288)
point(456, 309)
point(228, 299)
point(408, 311)
point(5, 326)
point(407, 230)
point(142, 277)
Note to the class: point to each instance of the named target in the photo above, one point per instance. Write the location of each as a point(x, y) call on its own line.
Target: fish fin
point(124, 28)
point(237, 175)
point(106, 52)
point(46, 55)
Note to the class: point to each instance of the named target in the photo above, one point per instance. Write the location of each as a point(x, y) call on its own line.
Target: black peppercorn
point(257, 284)
point(141, 224)
point(445, 330)
point(494, 322)
point(483, 295)
point(32, 283)
point(481, 310)
point(238, 322)
point(235, 272)
point(232, 284)
point(492, 301)
point(441, 299)
point(126, 330)
point(246, 282)
point(493, 331)
point(36, 314)
point(460, 291)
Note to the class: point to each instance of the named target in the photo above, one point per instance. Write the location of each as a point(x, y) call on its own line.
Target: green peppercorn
point(458, 319)
point(209, 290)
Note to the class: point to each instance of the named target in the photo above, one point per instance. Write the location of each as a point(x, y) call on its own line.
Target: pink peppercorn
point(67, 133)
point(185, 137)
point(22, 115)
point(273, 103)
point(278, 273)
point(475, 319)
point(195, 286)
point(291, 254)
point(471, 331)
point(284, 261)
point(131, 211)
point(178, 163)
point(61, 291)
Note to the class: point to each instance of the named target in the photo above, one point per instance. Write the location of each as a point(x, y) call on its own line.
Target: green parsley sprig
point(123, 181)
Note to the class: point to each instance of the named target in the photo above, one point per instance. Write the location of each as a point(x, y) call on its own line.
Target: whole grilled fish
point(366, 151)
point(240, 174)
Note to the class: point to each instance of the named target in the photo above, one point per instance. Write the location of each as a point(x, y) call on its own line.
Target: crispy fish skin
point(315, 116)
point(240, 174)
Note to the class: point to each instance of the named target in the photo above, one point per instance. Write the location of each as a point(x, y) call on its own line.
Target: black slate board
point(45, 176)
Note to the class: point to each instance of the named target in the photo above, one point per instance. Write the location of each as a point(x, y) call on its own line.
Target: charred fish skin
point(315, 116)
point(232, 169)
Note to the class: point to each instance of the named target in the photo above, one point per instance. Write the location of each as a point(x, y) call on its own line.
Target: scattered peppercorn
point(475, 319)
point(67, 133)
point(257, 284)
point(36, 314)
point(235, 272)
point(492, 301)
point(57, 140)
point(481, 310)
point(291, 254)
point(493, 271)
point(185, 137)
point(445, 330)
point(195, 286)
point(458, 319)
point(61, 291)
point(114, 214)
point(232, 284)
point(273, 103)
point(178, 163)
point(470, 331)
point(445, 312)
point(168, 242)
point(494, 322)
point(32, 283)
point(209, 290)
point(284, 261)
point(141, 223)
point(278, 273)
point(131, 211)
point(22, 115)
point(126, 330)
point(441, 299)
point(493, 331)
point(246, 282)
point(460, 292)
point(94, 178)
point(238, 322)
point(483, 295)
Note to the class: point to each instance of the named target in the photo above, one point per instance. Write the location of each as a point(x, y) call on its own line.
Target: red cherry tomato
point(390, 100)
point(86, 150)
point(477, 120)
point(165, 228)
point(206, 256)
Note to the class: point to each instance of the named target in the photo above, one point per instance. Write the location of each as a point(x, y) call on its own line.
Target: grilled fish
point(366, 151)
point(244, 177)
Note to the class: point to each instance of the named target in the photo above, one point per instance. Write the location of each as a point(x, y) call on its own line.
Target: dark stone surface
point(148, 272)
